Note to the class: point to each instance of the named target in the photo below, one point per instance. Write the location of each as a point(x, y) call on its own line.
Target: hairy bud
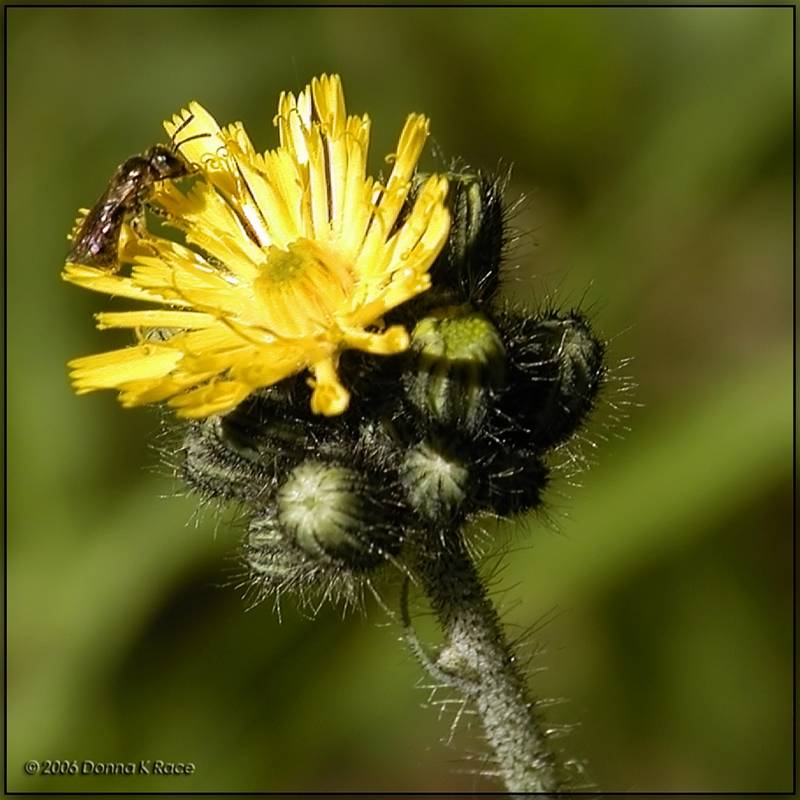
point(470, 263)
point(557, 372)
point(327, 528)
point(459, 363)
point(511, 480)
point(218, 465)
point(435, 479)
point(334, 513)
point(274, 562)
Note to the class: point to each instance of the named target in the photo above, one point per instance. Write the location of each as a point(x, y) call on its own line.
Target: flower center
point(303, 289)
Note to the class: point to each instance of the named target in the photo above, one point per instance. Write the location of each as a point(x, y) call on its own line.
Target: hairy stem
point(476, 660)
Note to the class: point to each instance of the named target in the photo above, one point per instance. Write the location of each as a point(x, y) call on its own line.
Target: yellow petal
point(116, 367)
point(99, 280)
point(153, 319)
point(329, 397)
point(215, 398)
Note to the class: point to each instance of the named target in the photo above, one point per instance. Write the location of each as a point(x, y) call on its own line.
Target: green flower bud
point(511, 480)
point(436, 481)
point(468, 268)
point(475, 248)
point(276, 565)
point(217, 464)
point(558, 370)
point(333, 513)
point(459, 362)
point(242, 455)
point(272, 561)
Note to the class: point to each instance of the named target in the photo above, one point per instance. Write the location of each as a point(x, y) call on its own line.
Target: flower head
point(286, 258)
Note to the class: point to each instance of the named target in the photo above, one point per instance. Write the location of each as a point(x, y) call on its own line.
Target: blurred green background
point(654, 147)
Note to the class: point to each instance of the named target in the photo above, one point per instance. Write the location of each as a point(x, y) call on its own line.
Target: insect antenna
point(176, 145)
point(180, 127)
point(184, 123)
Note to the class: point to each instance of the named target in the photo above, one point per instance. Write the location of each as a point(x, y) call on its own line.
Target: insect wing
point(97, 239)
point(95, 243)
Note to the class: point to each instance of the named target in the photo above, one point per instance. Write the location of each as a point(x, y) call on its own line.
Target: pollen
point(278, 260)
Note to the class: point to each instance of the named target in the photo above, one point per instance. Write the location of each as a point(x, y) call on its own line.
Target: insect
point(96, 238)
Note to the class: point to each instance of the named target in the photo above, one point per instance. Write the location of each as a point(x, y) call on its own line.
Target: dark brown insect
point(96, 240)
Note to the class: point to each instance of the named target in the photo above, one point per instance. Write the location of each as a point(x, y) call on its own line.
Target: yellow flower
point(287, 258)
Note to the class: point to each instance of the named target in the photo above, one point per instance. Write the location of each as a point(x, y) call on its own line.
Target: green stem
point(477, 661)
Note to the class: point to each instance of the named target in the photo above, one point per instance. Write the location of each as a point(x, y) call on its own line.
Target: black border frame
point(591, 6)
